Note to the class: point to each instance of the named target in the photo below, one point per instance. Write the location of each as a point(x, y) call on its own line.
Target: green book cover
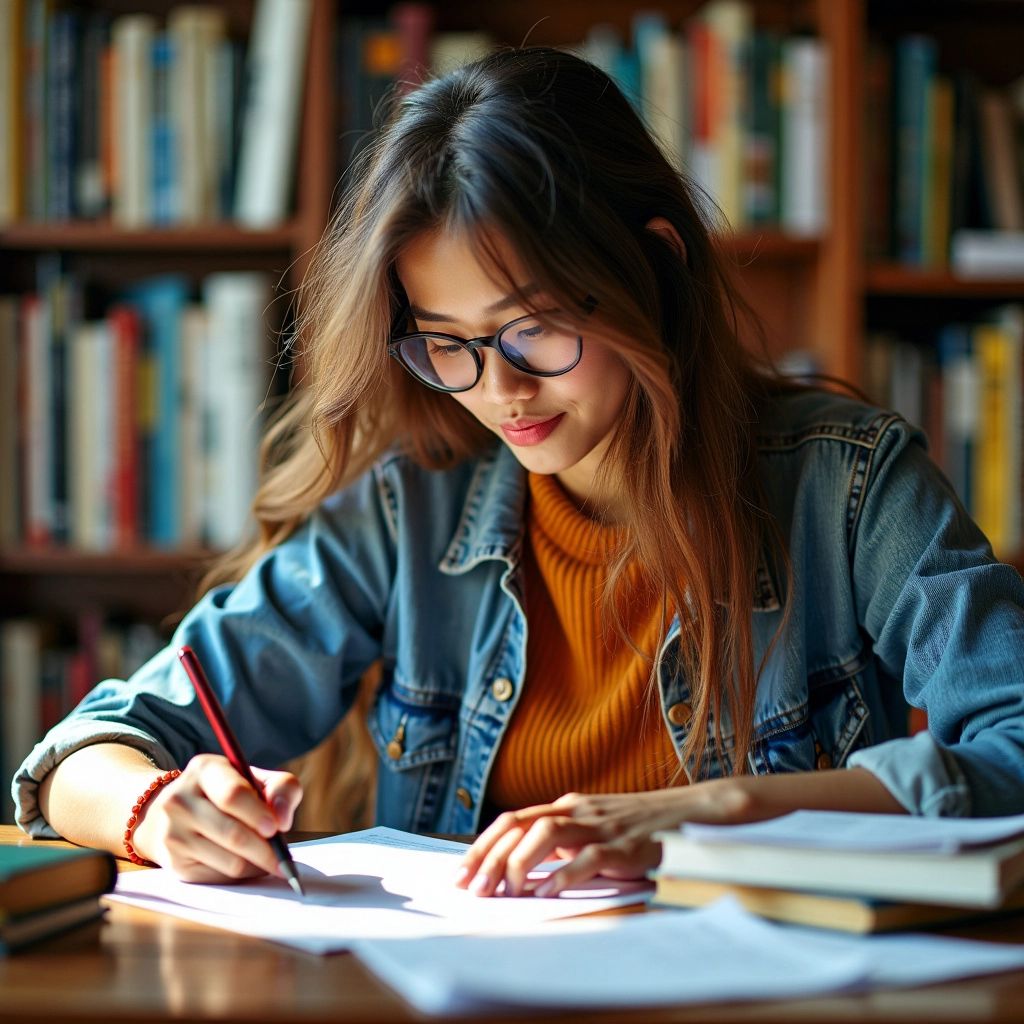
point(34, 877)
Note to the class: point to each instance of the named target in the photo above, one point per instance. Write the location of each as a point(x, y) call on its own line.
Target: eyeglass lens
point(528, 344)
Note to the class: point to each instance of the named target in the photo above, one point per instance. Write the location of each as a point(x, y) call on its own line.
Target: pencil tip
point(297, 886)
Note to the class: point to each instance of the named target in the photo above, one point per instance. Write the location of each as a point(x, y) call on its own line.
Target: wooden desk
point(138, 966)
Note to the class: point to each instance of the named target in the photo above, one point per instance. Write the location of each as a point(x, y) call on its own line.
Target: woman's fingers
point(283, 792)
point(623, 859)
point(210, 824)
point(512, 823)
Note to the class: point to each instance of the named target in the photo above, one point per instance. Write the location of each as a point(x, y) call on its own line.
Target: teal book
point(161, 301)
point(46, 889)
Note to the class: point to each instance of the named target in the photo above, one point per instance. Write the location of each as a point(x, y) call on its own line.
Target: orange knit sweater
point(585, 721)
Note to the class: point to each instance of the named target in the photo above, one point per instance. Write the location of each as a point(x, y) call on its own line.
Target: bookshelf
point(821, 294)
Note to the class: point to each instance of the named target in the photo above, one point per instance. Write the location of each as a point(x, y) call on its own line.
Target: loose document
point(719, 953)
point(380, 882)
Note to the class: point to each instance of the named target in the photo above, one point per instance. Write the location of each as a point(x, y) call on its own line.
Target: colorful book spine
point(161, 302)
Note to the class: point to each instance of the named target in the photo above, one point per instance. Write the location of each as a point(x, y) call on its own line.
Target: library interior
point(167, 174)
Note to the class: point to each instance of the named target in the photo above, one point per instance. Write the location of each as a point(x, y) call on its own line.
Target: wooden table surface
point(140, 966)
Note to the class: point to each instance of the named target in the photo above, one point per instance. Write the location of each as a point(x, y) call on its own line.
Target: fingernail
point(267, 827)
point(546, 888)
point(479, 884)
point(462, 874)
point(281, 809)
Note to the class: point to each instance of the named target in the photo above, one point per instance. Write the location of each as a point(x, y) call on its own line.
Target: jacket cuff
point(922, 775)
point(63, 740)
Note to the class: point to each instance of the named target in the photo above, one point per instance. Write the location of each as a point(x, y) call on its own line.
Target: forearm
point(88, 797)
point(842, 789)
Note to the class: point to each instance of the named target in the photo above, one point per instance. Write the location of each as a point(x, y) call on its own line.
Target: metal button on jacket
point(680, 714)
point(502, 689)
point(464, 797)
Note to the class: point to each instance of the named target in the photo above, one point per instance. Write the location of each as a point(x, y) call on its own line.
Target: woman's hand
point(611, 835)
point(209, 825)
point(599, 835)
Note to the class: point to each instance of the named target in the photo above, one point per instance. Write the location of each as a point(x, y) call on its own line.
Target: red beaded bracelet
point(154, 787)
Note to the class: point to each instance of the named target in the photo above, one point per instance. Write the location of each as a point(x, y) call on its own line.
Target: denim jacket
point(895, 599)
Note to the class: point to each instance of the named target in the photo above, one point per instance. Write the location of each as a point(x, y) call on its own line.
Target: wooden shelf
point(103, 236)
point(72, 562)
point(893, 279)
point(771, 245)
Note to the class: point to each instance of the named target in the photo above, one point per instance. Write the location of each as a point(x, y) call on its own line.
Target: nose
point(501, 383)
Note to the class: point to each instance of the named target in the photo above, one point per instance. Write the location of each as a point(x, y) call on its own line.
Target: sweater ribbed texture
point(586, 721)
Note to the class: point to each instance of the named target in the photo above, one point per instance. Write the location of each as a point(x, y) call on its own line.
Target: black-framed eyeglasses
point(538, 344)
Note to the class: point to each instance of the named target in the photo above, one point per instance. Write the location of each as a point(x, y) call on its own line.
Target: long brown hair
point(541, 147)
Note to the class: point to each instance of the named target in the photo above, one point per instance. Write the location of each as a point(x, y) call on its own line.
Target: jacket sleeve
point(948, 619)
point(284, 648)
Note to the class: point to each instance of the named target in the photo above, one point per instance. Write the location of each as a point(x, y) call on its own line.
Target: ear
point(664, 227)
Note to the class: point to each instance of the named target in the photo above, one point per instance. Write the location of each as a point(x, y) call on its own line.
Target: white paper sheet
point(842, 830)
point(718, 953)
point(377, 883)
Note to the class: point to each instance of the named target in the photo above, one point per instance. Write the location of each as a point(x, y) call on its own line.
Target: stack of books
point(45, 890)
point(851, 872)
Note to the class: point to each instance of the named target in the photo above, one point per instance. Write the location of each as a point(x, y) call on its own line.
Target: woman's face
point(554, 425)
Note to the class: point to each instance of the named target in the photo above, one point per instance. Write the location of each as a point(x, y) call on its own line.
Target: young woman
point(616, 572)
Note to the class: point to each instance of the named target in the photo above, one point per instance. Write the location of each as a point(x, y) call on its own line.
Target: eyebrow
point(495, 307)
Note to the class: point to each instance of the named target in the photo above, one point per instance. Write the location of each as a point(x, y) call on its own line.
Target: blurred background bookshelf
point(868, 157)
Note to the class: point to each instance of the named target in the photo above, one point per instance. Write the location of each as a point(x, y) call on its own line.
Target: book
point(805, 128)
point(999, 350)
point(660, 52)
point(839, 911)
point(161, 302)
point(274, 74)
point(236, 372)
point(61, 884)
point(959, 862)
point(916, 58)
point(1002, 172)
point(18, 932)
point(133, 36)
point(987, 254)
point(961, 407)
point(12, 15)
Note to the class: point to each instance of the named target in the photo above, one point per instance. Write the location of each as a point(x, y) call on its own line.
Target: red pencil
point(229, 744)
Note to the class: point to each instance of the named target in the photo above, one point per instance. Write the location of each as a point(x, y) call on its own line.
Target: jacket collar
point(492, 523)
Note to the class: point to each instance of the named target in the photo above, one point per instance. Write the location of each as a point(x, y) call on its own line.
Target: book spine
point(61, 118)
point(10, 383)
point(730, 24)
point(12, 100)
point(237, 339)
point(125, 329)
point(915, 69)
point(20, 690)
point(163, 139)
point(133, 94)
point(35, 27)
point(90, 193)
point(161, 301)
point(763, 130)
point(805, 144)
point(38, 421)
point(276, 62)
point(989, 481)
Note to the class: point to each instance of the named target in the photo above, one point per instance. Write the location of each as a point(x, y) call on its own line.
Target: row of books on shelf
point(743, 111)
point(149, 122)
point(964, 388)
point(47, 667)
point(944, 163)
point(140, 425)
